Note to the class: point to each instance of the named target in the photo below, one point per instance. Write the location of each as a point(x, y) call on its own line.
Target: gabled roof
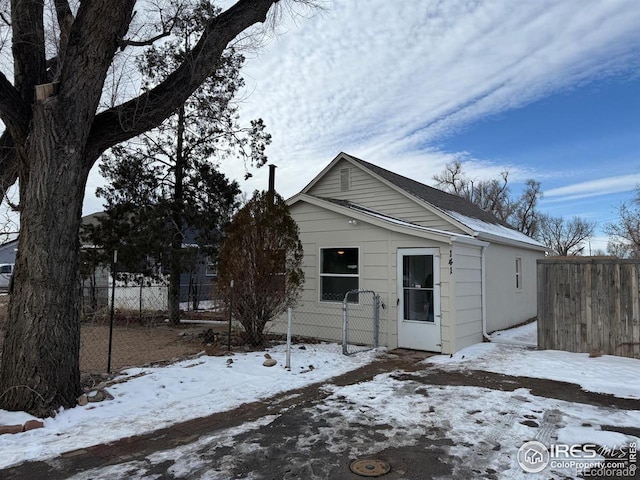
point(456, 209)
point(444, 201)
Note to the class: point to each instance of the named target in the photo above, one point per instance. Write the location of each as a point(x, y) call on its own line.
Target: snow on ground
point(172, 394)
point(619, 376)
point(480, 429)
point(486, 426)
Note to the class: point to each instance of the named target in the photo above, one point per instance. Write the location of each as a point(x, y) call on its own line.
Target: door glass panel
point(418, 305)
point(418, 271)
point(418, 287)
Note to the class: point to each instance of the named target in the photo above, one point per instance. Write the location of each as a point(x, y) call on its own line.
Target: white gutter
point(512, 242)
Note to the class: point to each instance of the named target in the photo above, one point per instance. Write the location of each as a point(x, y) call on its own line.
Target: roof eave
point(510, 242)
point(417, 231)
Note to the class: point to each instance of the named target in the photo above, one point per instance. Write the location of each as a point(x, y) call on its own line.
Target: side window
point(339, 273)
point(5, 269)
point(518, 273)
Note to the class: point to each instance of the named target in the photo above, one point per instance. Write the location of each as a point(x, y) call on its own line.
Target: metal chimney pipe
point(272, 179)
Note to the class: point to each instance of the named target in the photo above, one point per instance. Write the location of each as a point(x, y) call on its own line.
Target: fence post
point(230, 315)
point(345, 328)
point(376, 319)
point(289, 321)
point(113, 306)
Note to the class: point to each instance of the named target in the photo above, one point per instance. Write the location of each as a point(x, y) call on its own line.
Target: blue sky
point(547, 89)
point(587, 133)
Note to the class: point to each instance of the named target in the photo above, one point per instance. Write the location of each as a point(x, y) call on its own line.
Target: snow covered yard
point(161, 396)
point(460, 416)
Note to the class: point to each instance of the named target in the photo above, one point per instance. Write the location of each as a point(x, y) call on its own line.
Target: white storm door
point(419, 299)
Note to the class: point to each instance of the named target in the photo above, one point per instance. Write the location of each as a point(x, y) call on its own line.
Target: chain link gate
point(360, 321)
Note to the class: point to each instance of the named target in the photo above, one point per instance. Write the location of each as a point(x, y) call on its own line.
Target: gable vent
point(345, 179)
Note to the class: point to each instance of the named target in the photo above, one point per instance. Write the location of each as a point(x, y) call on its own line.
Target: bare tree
point(494, 196)
point(565, 237)
point(624, 234)
point(54, 134)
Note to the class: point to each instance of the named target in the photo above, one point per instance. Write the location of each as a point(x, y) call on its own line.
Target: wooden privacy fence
point(589, 304)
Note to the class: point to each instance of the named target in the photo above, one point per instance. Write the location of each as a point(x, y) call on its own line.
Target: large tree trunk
point(40, 359)
point(56, 143)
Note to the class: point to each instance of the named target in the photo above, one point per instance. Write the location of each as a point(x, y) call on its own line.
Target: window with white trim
point(518, 273)
point(339, 273)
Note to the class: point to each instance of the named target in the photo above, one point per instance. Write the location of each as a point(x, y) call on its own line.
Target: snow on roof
point(493, 229)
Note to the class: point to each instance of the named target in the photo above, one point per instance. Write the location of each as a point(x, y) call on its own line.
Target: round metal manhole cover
point(370, 467)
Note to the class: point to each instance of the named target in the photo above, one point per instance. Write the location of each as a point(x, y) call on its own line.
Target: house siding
point(378, 247)
point(368, 191)
point(509, 306)
point(467, 301)
point(468, 295)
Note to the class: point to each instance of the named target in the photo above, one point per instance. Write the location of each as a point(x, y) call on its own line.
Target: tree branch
point(143, 43)
point(29, 62)
point(97, 28)
point(65, 22)
point(14, 112)
point(5, 20)
point(149, 109)
point(167, 28)
point(8, 163)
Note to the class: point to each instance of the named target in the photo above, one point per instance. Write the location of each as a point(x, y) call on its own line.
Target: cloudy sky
point(547, 89)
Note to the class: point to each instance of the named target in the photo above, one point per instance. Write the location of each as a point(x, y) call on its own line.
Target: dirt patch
point(4, 311)
point(143, 338)
point(134, 346)
point(137, 345)
point(569, 392)
point(4, 307)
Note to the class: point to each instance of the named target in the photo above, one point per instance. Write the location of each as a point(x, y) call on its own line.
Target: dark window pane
point(339, 260)
point(335, 288)
point(417, 271)
point(418, 305)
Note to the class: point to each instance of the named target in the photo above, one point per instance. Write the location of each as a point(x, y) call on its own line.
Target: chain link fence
point(361, 321)
point(366, 327)
point(137, 332)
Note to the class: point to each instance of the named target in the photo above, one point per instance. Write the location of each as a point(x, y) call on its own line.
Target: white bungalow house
point(447, 271)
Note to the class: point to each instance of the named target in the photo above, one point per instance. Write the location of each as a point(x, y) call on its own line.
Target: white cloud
point(593, 188)
point(386, 80)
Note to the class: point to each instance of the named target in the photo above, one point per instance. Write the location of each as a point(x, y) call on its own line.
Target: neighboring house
point(446, 271)
point(8, 251)
point(196, 282)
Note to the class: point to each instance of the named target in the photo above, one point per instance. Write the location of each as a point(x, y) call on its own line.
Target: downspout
point(483, 263)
